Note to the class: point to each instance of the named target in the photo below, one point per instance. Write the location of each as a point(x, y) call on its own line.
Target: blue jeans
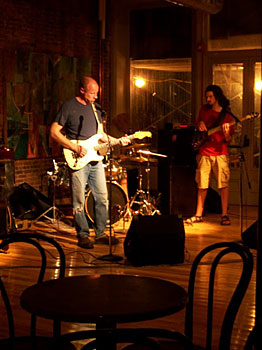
point(93, 174)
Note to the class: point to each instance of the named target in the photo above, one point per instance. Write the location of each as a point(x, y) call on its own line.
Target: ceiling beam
point(209, 6)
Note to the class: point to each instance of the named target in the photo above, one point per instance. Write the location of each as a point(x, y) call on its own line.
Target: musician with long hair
point(213, 153)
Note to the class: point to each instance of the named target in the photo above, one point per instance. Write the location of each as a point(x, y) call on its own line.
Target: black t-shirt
point(78, 120)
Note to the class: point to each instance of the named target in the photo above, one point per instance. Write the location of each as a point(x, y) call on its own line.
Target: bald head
point(88, 90)
point(85, 81)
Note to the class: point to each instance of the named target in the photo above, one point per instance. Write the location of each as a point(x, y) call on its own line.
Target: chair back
point(34, 240)
point(222, 249)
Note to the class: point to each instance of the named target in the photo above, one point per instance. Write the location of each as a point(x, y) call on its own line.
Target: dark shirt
point(78, 120)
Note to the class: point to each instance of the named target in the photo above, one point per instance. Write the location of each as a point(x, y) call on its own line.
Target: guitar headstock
point(142, 134)
point(253, 115)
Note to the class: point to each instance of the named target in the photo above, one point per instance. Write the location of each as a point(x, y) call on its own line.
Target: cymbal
point(152, 153)
point(137, 145)
point(137, 159)
point(141, 159)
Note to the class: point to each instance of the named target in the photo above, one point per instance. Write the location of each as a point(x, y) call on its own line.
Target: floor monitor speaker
point(154, 240)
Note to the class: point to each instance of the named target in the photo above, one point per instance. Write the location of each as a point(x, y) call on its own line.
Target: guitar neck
point(233, 122)
point(219, 127)
point(112, 143)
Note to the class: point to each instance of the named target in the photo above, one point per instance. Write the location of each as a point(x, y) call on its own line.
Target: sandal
point(225, 220)
point(194, 220)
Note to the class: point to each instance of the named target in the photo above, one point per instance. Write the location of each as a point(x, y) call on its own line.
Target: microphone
point(81, 118)
point(102, 111)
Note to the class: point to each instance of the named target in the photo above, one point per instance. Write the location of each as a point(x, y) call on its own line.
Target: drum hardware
point(139, 159)
point(116, 170)
point(142, 198)
point(53, 176)
point(119, 202)
point(62, 173)
point(136, 159)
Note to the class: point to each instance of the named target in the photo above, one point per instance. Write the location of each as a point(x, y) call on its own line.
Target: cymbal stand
point(142, 198)
point(152, 208)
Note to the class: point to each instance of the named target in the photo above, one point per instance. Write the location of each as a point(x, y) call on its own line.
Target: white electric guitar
point(95, 150)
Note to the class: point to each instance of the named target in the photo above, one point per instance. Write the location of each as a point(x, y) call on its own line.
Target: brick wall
point(33, 172)
point(64, 27)
point(68, 28)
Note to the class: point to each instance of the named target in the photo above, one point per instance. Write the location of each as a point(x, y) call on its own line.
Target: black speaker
point(183, 190)
point(213, 202)
point(27, 203)
point(176, 174)
point(154, 240)
point(249, 236)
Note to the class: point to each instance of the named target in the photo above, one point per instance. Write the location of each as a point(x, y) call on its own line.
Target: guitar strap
point(220, 119)
point(99, 125)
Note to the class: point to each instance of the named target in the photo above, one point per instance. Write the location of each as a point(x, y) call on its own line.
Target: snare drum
point(118, 200)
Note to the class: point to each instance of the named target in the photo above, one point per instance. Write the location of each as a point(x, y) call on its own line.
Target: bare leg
point(201, 197)
point(224, 192)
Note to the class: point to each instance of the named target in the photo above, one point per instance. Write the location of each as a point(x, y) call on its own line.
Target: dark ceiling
point(237, 18)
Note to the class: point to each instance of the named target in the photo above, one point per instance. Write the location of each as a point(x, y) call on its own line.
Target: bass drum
point(119, 202)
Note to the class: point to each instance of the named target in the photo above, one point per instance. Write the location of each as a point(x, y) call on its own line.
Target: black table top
point(104, 298)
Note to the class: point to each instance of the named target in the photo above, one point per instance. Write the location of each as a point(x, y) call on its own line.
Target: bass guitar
point(95, 150)
point(200, 137)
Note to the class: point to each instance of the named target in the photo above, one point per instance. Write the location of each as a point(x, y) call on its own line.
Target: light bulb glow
point(258, 85)
point(139, 82)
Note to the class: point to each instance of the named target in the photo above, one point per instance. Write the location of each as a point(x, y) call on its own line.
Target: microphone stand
point(110, 256)
point(242, 165)
point(241, 158)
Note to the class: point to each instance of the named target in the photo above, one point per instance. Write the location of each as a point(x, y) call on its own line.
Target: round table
point(104, 299)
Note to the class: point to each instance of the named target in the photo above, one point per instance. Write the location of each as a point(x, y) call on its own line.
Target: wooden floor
point(18, 267)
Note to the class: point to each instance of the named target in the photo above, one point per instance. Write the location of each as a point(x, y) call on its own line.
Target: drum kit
point(134, 156)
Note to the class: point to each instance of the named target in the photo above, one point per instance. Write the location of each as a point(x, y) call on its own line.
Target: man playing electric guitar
point(78, 120)
point(213, 153)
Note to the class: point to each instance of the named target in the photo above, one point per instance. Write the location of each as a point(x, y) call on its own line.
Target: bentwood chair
point(220, 250)
point(30, 342)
